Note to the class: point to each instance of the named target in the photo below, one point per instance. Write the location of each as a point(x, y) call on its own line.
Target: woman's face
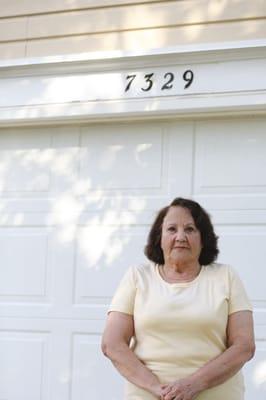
point(181, 240)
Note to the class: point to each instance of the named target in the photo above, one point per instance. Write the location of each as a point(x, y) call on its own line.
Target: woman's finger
point(166, 390)
point(171, 396)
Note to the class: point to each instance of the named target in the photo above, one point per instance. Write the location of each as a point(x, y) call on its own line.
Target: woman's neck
point(180, 272)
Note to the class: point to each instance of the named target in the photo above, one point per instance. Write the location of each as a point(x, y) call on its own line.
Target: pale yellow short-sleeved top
point(181, 326)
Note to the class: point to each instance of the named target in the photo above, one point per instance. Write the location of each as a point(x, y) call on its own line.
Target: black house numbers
point(166, 83)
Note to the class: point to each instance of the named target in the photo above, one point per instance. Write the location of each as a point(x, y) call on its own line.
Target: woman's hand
point(157, 390)
point(183, 389)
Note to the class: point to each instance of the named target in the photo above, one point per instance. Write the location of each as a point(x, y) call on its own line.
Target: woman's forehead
point(178, 214)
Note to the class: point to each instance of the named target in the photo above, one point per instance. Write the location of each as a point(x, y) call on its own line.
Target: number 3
point(149, 81)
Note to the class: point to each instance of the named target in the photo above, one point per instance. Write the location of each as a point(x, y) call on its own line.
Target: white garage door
point(76, 204)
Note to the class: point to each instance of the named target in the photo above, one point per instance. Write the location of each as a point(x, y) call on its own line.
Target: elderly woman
point(181, 326)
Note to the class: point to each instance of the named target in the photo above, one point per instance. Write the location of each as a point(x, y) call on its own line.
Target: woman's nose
point(180, 235)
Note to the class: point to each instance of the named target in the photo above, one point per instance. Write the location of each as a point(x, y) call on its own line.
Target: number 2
point(168, 84)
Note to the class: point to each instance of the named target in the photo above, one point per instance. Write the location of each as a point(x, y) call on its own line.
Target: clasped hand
point(183, 389)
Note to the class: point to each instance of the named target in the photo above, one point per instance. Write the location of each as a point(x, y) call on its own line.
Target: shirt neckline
point(178, 284)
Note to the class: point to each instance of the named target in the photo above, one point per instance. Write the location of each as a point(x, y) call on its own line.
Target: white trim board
point(246, 45)
point(226, 79)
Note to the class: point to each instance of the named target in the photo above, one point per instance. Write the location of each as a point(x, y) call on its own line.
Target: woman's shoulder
point(145, 268)
point(219, 270)
point(143, 271)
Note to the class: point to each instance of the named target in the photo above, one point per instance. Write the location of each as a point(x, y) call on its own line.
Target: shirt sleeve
point(124, 297)
point(238, 298)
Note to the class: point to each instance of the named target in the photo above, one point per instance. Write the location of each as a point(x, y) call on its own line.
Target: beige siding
point(59, 27)
point(11, 50)
point(152, 38)
point(13, 29)
point(28, 7)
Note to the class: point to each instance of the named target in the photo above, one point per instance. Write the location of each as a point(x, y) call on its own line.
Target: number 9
point(188, 77)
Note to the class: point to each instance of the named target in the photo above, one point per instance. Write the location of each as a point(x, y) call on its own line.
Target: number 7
point(131, 79)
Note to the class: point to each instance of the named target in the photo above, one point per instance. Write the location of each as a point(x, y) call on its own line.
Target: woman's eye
point(190, 229)
point(171, 229)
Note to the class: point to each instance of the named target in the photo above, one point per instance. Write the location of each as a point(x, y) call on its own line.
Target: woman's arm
point(115, 345)
point(241, 348)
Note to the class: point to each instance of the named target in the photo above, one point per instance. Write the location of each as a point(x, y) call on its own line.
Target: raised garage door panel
point(235, 150)
point(76, 205)
point(134, 165)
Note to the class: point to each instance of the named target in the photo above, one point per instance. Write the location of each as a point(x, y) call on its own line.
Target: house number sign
point(166, 83)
